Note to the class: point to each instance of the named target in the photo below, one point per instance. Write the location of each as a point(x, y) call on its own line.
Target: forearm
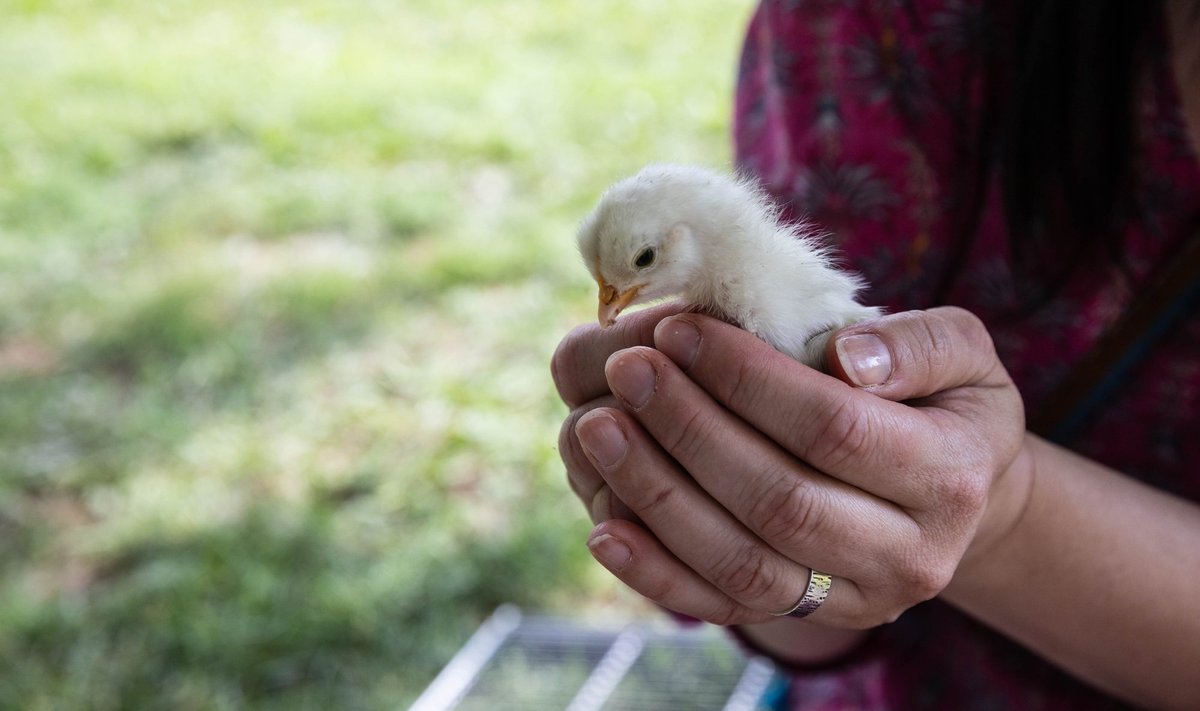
point(1099, 576)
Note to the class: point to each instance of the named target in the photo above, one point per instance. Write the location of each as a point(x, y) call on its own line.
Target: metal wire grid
point(514, 663)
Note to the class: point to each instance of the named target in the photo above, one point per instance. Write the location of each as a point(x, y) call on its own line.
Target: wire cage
point(515, 662)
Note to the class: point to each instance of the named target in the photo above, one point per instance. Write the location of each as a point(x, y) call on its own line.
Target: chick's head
point(640, 245)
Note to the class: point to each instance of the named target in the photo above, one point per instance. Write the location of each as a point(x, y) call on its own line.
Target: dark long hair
point(1067, 146)
point(1058, 132)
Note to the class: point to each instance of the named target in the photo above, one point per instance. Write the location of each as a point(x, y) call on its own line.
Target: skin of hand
point(718, 469)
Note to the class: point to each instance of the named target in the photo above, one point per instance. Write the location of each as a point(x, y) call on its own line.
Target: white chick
point(717, 242)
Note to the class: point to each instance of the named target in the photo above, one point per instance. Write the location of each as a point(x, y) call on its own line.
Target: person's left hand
point(725, 469)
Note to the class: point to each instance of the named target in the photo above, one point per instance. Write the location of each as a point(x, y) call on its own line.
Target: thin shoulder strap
point(1171, 297)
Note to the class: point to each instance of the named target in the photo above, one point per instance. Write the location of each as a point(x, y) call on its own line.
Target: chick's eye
point(645, 258)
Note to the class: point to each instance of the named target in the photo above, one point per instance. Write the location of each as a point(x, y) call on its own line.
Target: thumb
point(915, 354)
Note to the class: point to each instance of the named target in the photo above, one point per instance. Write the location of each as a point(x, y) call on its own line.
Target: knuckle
point(969, 327)
point(652, 500)
point(728, 612)
point(743, 389)
point(690, 433)
point(789, 515)
point(962, 493)
point(963, 334)
point(846, 435)
point(920, 578)
point(924, 342)
point(660, 588)
point(745, 574)
point(939, 342)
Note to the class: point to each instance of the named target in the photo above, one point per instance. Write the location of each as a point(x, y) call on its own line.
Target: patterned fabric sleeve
point(864, 116)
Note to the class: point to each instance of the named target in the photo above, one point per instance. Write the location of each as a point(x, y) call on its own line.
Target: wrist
point(1007, 503)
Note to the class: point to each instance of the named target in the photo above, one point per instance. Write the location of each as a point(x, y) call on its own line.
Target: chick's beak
point(613, 302)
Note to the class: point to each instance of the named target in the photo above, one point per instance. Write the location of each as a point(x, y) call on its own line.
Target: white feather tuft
point(721, 245)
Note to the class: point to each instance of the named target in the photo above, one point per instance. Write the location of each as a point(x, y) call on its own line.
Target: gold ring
point(818, 590)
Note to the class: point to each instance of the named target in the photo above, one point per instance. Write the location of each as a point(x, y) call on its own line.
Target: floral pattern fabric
point(859, 115)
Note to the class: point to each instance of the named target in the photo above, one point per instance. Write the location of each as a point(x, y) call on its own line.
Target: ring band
point(818, 590)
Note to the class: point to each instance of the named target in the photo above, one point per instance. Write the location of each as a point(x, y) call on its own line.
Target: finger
point(805, 514)
point(915, 354)
point(640, 561)
point(583, 478)
point(577, 366)
point(875, 445)
point(698, 531)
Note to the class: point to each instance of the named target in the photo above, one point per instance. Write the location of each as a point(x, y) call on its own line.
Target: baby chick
point(718, 243)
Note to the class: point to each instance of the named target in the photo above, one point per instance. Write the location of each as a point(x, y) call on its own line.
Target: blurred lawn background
point(279, 284)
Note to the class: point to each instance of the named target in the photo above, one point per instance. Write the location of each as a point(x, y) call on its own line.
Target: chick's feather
point(719, 243)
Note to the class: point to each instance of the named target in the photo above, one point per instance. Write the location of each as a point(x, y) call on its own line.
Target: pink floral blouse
point(852, 112)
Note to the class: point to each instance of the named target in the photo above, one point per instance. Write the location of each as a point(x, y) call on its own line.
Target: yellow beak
point(613, 302)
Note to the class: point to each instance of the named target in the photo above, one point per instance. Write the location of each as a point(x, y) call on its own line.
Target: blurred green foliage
point(279, 283)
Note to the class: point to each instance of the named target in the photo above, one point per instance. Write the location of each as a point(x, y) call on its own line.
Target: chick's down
point(718, 243)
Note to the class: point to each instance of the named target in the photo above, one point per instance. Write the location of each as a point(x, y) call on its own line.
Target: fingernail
point(679, 339)
point(631, 377)
point(611, 553)
point(865, 358)
point(601, 438)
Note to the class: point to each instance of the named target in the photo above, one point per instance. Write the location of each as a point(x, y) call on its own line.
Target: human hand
point(724, 469)
point(578, 371)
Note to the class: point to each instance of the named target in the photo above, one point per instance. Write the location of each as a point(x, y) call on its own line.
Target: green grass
point(279, 283)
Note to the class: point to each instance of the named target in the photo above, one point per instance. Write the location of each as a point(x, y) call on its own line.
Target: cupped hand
point(720, 471)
